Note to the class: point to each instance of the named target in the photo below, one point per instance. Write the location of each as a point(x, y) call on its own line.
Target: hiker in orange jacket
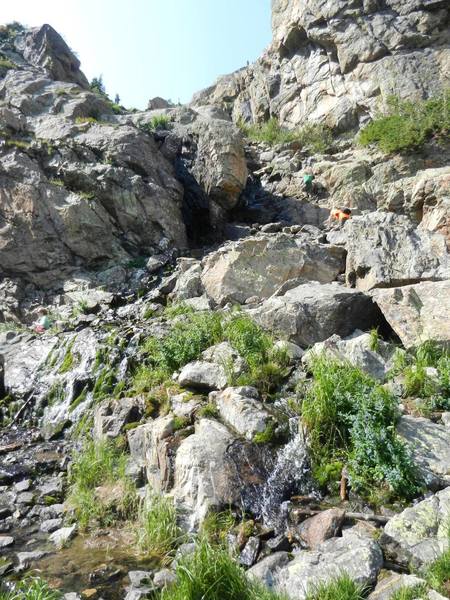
point(340, 215)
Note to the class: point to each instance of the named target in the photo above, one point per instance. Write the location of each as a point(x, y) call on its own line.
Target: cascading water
point(269, 480)
point(290, 475)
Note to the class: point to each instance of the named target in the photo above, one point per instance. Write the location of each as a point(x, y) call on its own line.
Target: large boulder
point(417, 312)
point(214, 470)
point(359, 557)
point(111, 416)
point(220, 166)
point(358, 350)
point(312, 312)
point(241, 409)
point(430, 446)
point(258, 266)
point(419, 533)
point(389, 250)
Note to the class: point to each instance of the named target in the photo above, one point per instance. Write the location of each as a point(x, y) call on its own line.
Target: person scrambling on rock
point(340, 215)
point(308, 182)
point(43, 323)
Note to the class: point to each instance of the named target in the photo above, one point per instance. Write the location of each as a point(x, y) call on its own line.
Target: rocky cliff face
point(336, 62)
point(204, 307)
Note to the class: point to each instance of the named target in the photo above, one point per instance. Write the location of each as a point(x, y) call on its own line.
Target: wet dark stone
point(250, 552)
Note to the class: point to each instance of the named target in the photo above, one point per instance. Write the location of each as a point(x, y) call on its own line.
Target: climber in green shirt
point(43, 323)
point(308, 179)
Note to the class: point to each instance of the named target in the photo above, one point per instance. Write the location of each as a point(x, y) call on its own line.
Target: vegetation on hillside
point(314, 136)
point(407, 124)
point(31, 588)
point(351, 420)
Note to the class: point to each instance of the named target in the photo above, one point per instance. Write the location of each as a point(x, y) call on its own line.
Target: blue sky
point(146, 48)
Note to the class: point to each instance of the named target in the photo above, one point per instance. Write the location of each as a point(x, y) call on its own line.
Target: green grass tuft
point(31, 588)
point(157, 532)
point(342, 588)
point(417, 592)
point(211, 573)
point(438, 574)
point(100, 464)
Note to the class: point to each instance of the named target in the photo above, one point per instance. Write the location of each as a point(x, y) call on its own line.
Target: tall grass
point(157, 530)
point(342, 588)
point(438, 574)
point(408, 124)
point(100, 464)
point(351, 418)
point(434, 389)
point(31, 588)
point(211, 573)
point(417, 592)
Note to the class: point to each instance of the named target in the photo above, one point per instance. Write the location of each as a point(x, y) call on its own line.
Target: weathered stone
point(26, 559)
point(388, 250)
point(240, 408)
point(203, 375)
point(417, 312)
point(6, 540)
point(259, 266)
point(267, 569)
point(50, 525)
point(430, 446)
point(311, 313)
point(249, 554)
point(360, 558)
point(150, 445)
point(62, 536)
point(111, 416)
point(164, 578)
point(357, 350)
point(321, 527)
point(225, 355)
point(212, 470)
point(392, 582)
point(421, 531)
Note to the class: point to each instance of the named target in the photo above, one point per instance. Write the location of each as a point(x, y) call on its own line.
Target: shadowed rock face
point(332, 61)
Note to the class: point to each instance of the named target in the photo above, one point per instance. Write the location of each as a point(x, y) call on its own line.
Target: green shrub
point(9, 31)
point(212, 573)
point(69, 360)
point(209, 411)
point(81, 120)
point(374, 343)
point(100, 464)
point(342, 588)
point(351, 418)
point(156, 123)
point(157, 530)
point(31, 588)
point(407, 125)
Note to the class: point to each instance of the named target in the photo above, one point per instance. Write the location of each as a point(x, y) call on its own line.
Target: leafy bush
point(342, 588)
point(211, 572)
point(157, 531)
point(408, 124)
point(315, 136)
point(9, 31)
point(352, 419)
point(100, 464)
